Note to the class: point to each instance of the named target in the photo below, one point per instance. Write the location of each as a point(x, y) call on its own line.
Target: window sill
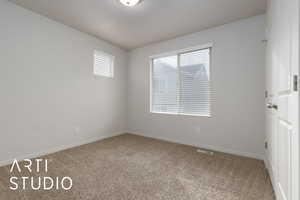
point(175, 114)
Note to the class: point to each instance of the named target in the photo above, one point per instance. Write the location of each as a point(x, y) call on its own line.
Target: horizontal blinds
point(181, 83)
point(164, 85)
point(103, 64)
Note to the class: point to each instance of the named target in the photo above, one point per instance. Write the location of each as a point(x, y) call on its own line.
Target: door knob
point(275, 107)
point(269, 105)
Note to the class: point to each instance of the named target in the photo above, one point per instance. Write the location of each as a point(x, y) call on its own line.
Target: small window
point(180, 83)
point(103, 64)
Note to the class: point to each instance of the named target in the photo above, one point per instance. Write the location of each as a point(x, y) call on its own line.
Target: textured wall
point(49, 97)
point(237, 122)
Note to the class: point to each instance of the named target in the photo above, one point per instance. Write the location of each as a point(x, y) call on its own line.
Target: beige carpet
point(131, 167)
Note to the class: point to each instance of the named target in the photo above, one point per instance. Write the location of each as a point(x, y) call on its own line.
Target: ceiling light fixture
point(129, 3)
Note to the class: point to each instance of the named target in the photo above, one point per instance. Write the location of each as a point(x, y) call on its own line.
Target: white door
point(282, 102)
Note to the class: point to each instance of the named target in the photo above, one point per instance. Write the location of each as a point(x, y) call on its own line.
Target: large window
point(180, 83)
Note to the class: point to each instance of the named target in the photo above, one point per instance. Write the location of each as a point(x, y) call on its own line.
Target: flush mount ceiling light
point(129, 3)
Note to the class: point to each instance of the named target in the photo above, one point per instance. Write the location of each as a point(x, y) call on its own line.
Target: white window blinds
point(103, 64)
point(181, 83)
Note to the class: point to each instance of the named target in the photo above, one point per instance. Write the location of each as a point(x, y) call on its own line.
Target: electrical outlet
point(198, 129)
point(76, 130)
point(266, 145)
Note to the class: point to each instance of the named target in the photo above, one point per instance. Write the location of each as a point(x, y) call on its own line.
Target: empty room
point(149, 100)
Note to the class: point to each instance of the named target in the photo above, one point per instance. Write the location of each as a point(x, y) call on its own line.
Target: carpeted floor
point(132, 167)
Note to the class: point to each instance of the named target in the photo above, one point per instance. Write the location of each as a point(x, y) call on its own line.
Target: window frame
point(178, 52)
point(112, 67)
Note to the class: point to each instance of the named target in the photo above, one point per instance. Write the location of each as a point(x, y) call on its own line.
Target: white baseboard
point(58, 148)
point(271, 174)
point(100, 137)
point(205, 146)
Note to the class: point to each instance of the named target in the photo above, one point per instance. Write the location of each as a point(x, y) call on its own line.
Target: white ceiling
point(150, 21)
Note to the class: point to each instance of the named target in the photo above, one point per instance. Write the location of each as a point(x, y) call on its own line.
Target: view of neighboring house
point(191, 85)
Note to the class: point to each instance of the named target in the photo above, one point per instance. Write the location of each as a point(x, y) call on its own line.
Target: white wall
point(49, 98)
point(237, 122)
